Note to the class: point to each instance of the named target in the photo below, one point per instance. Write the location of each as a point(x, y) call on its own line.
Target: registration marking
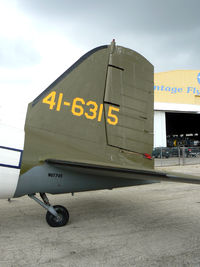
point(67, 103)
point(80, 107)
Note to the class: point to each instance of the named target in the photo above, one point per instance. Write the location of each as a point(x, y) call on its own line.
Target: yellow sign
point(179, 86)
point(78, 105)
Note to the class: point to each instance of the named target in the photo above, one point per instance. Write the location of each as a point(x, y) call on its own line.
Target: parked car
point(161, 152)
point(174, 151)
point(192, 152)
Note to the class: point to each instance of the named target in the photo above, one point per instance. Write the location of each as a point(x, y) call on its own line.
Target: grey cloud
point(161, 30)
point(17, 53)
point(155, 15)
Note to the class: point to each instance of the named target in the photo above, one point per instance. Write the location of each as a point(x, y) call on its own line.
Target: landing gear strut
point(56, 216)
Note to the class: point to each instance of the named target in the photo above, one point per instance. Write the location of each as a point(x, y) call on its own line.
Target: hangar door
point(184, 124)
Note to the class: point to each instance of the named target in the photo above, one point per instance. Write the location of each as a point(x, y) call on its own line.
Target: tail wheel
point(62, 218)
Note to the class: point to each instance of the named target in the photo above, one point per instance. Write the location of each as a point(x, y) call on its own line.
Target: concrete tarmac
point(150, 225)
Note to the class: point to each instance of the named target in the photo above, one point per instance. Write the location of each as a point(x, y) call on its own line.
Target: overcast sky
point(40, 39)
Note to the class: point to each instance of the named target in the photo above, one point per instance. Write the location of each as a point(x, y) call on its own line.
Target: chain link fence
point(174, 156)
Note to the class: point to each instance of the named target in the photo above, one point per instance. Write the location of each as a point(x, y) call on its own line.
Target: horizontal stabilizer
point(125, 173)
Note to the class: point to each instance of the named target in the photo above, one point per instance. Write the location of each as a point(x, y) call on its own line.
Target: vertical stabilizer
point(99, 111)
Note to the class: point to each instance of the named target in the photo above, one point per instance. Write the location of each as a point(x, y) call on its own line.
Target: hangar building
point(177, 108)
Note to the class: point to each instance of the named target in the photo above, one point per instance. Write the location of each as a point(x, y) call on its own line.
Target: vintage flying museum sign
point(179, 86)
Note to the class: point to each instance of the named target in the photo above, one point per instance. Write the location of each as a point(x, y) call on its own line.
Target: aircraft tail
point(99, 111)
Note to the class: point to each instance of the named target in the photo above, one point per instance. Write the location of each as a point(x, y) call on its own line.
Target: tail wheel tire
point(61, 220)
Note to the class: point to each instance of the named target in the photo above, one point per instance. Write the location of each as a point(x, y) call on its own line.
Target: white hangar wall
point(160, 139)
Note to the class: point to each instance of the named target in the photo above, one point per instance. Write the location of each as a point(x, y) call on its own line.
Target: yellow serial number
point(94, 111)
